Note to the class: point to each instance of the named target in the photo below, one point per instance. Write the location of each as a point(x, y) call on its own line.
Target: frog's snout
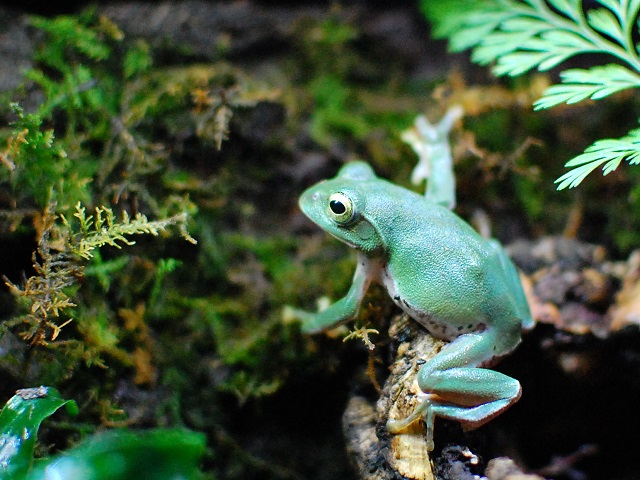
point(309, 203)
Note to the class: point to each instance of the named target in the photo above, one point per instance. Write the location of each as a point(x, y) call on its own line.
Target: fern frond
point(608, 153)
point(521, 35)
point(594, 83)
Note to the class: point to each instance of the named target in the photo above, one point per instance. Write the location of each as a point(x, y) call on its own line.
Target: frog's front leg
point(347, 307)
point(458, 389)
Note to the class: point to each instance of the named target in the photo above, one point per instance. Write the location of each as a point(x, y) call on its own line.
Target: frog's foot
point(397, 425)
point(469, 417)
point(474, 417)
point(423, 410)
point(459, 389)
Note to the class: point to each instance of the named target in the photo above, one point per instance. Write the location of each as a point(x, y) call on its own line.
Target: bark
point(376, 454)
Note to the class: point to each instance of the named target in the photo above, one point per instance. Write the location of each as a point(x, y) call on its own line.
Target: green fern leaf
point(522, 35)
point(594, 83)
point(607, 153)
point(606, 22)
point(571, 8)
point(474, 31)
point(516, 33)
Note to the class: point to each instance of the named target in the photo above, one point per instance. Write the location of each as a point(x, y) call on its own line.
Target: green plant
point(521, 35)
point(36, 167)
point(20, 420)
point(63, 249)
point(160, 453)
point(117, 115)
point(121, 148)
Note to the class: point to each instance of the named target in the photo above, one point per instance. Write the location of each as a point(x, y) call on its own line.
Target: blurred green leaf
point(160, 454)
point(19, 422)
point(137, 60)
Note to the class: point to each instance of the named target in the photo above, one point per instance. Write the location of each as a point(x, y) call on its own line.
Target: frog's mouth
point(343, 240)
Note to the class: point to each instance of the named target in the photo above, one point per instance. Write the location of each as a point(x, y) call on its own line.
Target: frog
point(461, 287)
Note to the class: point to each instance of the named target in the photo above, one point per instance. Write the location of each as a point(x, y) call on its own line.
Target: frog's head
point(338, 206)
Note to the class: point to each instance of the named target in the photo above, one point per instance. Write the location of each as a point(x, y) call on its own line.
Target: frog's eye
point(341, 208)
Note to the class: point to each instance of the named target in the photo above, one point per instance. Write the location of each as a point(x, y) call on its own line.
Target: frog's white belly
point(439, 328)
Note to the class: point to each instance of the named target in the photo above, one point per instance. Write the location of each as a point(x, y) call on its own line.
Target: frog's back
point(416, 230)
point(440, 268)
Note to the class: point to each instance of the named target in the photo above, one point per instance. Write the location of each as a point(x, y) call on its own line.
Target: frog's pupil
point(337, 207)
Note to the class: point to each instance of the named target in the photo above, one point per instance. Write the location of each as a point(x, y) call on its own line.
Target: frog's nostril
point(315, 196)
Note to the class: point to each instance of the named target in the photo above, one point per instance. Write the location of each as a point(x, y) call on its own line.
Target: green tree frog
point(461, 287)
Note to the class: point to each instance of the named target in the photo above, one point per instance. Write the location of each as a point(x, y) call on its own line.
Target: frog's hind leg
point(459, 389)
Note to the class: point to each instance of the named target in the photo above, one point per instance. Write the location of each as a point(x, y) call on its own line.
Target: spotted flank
point(439, 329)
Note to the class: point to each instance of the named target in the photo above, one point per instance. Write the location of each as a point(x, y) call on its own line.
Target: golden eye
point(341, 208)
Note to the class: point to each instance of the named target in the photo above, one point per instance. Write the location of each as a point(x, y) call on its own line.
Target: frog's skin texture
point(459, 286)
